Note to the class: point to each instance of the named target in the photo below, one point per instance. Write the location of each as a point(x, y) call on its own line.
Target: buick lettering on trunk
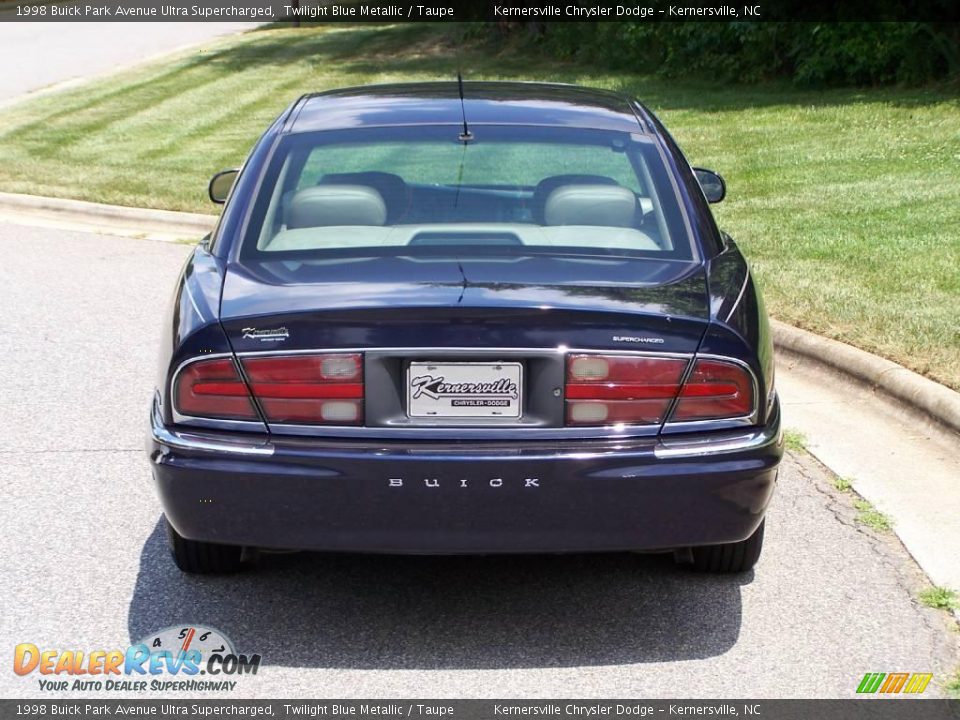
point(423, 302)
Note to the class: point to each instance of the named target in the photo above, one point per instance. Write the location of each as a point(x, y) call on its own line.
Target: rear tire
point(203, 558)
point(730, 558)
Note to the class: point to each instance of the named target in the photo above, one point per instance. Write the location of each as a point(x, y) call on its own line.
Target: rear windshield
point(513, 190)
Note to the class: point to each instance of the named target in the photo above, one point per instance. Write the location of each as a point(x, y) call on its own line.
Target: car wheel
point(204, 558)
point(730, 558)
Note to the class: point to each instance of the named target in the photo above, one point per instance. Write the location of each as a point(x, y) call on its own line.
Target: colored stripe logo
point(890, 683)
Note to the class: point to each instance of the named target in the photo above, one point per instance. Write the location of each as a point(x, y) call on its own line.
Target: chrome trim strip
point(186, 287)
point(178, 440)
point(700, 425)
point(455, 433)
point(559, 350)
point(703, 448)
point(746, 281)
point(251, 426)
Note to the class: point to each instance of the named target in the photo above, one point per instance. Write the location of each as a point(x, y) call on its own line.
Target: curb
point(88, 214)
point(938, 401)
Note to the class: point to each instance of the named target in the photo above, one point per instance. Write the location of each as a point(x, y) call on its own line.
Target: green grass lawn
point(846, 201)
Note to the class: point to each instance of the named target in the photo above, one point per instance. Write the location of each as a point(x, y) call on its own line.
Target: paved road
point(35, 55)
point(84, 564)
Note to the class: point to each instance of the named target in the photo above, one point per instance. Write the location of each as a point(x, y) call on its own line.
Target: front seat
point(325, 205)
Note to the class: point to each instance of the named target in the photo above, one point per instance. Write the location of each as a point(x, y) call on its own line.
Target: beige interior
point(331, 216)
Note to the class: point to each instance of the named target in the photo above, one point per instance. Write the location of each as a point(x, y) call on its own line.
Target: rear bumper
point(637, 494)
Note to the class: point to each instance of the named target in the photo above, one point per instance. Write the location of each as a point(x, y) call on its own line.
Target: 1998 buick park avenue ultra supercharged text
point(466, 318)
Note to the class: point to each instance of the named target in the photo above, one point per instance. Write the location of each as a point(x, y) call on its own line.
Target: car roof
point(485, 103)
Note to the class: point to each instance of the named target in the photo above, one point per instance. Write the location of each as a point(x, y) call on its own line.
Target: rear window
point(513, 190)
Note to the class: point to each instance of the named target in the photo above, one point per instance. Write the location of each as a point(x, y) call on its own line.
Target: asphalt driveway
point(84, 563)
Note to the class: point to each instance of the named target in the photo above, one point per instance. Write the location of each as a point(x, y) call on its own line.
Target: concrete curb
point(130, 221)
point(939, 402)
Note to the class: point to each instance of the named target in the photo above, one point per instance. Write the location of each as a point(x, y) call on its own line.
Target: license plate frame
point(440, 390)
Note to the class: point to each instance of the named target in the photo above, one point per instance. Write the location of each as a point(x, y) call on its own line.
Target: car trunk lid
point(424, 301)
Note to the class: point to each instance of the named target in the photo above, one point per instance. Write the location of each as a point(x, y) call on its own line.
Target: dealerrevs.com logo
point(184, 658)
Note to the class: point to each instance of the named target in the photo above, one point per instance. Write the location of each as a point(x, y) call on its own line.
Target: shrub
point(815, 54)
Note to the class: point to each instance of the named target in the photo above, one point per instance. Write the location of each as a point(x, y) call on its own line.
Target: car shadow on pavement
point(467, 612)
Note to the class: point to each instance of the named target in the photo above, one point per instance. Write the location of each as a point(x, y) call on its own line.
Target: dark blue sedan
point(466, 318)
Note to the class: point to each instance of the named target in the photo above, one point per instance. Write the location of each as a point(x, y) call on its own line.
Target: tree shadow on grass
point(438, 51)
point(402, 612)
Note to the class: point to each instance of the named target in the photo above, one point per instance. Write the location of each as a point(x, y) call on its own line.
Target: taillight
point(213, 389)
point(715, 390)
point(637, 390)
point(310, 389)
point(608, 389)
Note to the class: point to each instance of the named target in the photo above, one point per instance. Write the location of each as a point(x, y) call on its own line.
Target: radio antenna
point(466, 136)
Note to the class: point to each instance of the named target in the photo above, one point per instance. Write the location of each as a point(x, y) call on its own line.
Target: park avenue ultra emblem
point(266, 335)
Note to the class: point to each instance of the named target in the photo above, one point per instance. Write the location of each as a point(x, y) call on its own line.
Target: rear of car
point(413, 334)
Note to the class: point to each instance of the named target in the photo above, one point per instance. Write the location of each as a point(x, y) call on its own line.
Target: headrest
point(546, 186)
point(391, 187)
point(604, 205)
point(335, 205)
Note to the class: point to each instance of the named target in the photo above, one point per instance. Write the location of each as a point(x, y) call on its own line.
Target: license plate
point(464, 389)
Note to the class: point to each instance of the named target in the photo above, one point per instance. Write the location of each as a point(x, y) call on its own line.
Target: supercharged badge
point(638, 339)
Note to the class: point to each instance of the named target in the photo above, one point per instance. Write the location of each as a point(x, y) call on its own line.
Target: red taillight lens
point(310, 389)
point(213, 389)
point(609, 389)
point(606, 389)
point(715, 390)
